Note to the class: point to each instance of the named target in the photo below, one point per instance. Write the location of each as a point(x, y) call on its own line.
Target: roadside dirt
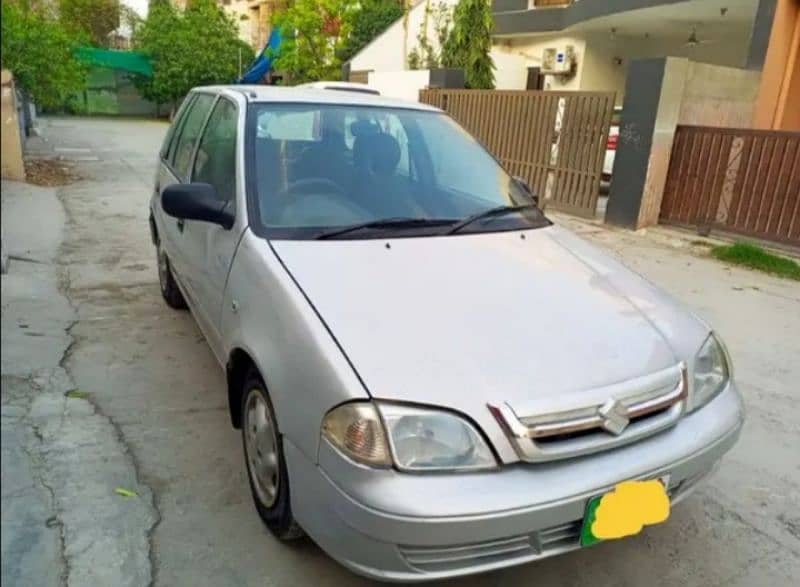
point(50, 172)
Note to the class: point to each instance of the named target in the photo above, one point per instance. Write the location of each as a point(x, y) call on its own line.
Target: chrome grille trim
point(615, 422)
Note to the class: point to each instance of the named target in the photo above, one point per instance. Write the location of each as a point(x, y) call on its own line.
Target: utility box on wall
point(558, 61)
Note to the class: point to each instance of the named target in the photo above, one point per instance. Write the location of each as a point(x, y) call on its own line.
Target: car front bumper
point(404, 527)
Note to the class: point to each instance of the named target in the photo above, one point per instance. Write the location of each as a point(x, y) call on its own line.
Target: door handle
point(180, 224)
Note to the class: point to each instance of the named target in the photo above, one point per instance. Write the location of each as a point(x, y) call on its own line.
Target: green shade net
point(129, 61)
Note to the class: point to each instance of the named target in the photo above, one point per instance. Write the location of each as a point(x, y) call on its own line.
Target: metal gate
point(556, 141)
point(738, 180)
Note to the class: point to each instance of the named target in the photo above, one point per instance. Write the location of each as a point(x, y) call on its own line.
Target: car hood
point(502, 317)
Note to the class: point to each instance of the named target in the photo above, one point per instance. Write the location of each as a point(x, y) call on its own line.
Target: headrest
point(383, 152)
point(362, 128)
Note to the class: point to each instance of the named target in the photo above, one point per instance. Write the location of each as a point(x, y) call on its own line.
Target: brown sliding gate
point(556, 141)
point(738, 180)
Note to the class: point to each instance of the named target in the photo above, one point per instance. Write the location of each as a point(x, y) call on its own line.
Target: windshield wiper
point(392, 223)
point(490, 213)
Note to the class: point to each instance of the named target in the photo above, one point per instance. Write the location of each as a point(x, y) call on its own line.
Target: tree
point(314, 36)
point(39, 51)
point(367, 22)
point(469, 43)
point(96, 18)
point(200, 46)
point(426, 55)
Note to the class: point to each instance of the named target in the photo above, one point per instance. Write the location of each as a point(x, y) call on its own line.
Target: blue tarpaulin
point(263, 63)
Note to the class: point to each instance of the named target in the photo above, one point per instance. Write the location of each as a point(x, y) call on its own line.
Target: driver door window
point(190, 132)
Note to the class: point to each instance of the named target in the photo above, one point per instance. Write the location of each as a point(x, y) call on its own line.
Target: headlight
point(356, 430)
point(711, 372)
point(429, 440)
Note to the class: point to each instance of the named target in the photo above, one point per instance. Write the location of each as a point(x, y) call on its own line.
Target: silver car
point(431, 379)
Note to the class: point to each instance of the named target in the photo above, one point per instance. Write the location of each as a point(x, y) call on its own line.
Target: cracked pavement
point(87, 315)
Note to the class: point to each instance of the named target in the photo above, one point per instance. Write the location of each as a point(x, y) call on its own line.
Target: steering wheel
point(317, 184)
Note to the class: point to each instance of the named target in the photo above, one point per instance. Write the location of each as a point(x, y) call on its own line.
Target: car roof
point(341, 86)
point(275, 94)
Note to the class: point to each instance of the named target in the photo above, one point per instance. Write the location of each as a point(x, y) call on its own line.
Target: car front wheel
point(263, 455)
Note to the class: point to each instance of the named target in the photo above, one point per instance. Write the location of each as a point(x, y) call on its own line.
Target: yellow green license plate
point(625, 510)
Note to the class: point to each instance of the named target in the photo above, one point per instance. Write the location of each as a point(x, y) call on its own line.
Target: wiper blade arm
point(490, 213)
point(399, 223)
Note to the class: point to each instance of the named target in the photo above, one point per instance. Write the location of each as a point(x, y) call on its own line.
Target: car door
point(176, 168)
point(210, 247)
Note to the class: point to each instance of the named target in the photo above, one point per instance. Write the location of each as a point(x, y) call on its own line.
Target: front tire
point(263, 457)
point(169, 288)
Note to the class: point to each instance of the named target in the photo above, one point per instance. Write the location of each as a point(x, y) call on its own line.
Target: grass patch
point(77, 394)
point(754, 257)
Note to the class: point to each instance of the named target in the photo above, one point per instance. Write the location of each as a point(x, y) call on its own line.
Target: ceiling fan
point(694, 40)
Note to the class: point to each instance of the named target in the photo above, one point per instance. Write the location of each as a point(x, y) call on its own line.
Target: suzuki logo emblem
point(614, 416)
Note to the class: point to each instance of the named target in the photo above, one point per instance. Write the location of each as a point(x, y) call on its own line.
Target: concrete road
point(152, 381)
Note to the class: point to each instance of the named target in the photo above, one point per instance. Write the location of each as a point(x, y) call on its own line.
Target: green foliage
point(198, 47)
point(314, 36)
point(39, 51)
point(426, 55)
point(367, 22)
point(94, 18)
point(754, 257)
point(469, 43)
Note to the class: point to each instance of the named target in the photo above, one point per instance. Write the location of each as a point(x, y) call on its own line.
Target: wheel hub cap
point(262, 448)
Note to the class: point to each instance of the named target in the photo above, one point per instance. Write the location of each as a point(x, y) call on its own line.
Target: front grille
point(442, 558)
point(561, 537)
point(597, 419)
point(515, 549)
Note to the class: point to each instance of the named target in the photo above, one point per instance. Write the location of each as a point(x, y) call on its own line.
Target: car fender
point(266, 315)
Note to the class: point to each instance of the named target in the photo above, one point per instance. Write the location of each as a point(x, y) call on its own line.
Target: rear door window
point(215, 162)
point(168, 148)
point(189, 134)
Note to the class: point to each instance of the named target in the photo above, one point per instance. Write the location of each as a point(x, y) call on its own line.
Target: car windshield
point(318, 168)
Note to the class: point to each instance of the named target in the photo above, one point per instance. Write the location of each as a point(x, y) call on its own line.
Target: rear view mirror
point(196, 201)
point(525, 187)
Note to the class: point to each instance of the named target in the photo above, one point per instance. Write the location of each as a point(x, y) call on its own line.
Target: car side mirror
point(525, 187)
point(196, 201)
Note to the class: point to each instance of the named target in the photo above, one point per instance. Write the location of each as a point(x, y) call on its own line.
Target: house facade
point(253, 18)
point(589, 45)
point(599, 39)
point(386, 64)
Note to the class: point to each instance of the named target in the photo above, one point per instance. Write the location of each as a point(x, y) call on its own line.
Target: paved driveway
point(150, 373)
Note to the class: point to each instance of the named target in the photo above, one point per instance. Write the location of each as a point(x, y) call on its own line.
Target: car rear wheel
point(169, 289)
point(263, 456)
